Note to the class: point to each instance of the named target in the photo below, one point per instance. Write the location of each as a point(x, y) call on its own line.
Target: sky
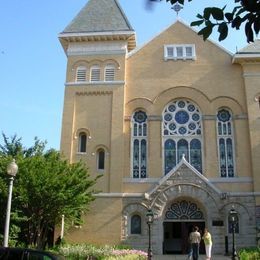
point(33, 63)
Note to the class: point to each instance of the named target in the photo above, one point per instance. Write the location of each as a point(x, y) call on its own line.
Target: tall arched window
point(225, 143)
point(139, 144)
point(101, 159)
point(136, 224)
point(82, 142)
point(182, 134)
point(81, 74)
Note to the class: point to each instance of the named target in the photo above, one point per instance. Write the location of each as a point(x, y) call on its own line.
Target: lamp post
point(12, 170)
point(233, 219)
point(149, 221)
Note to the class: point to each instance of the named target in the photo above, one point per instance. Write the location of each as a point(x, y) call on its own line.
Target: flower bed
point(90, 252)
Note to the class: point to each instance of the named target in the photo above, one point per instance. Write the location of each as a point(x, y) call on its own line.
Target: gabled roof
point(249, 53)
point(178, 20)
point(99, 20)
point(99, 16)
point(182, 173)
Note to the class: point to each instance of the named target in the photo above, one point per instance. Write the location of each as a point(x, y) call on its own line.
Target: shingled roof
point(253, 47)
point(99, 20)
point(249, 53)
point(99, 16)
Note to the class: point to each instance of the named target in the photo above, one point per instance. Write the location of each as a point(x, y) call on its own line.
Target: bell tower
point(96, 43)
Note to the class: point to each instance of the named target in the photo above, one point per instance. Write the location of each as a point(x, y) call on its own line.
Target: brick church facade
point(172, 126)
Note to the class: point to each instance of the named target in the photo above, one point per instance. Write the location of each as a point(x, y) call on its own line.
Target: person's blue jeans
point(195, 250)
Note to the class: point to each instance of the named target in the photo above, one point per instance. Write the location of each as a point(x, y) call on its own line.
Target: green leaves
point(215, 12)
point(197, 23)
point(45, 187)
point(245, 12)
point(206, 32)
point(223, 31)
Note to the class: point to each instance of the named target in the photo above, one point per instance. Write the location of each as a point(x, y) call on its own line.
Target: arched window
point(182, 134)
point(139, 144)
point(82, 143)
point(225, 143)
point(136, 224)
point(110, 72)
point(101, 159)
point(95, 73)
point(81, 74)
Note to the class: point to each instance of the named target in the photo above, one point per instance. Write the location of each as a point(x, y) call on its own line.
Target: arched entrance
point(179, 219)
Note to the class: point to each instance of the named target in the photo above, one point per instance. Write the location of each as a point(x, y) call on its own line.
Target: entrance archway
point(179, 219)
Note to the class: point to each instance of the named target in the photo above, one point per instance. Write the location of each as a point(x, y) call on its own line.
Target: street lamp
point(233, 219)
point(149, 221)
point(12, 170)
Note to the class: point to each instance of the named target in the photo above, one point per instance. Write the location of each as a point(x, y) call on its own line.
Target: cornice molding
point(247, 75)
point(102, 83)
point(119, 195)
point(93, 93)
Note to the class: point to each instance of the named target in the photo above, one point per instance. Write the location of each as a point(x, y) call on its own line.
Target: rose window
point(182, 118)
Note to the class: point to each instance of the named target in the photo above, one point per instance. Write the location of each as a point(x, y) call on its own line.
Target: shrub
point(249, 254)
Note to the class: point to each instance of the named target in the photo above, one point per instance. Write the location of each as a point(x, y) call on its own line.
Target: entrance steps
point(184, 257)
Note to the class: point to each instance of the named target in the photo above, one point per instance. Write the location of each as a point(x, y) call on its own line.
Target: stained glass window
point(184, 210)
point(225, 143)
point(136, 224)
point(182, 134)
point(169, 155)
point(139, 144)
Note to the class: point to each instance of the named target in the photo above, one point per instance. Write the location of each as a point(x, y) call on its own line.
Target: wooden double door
point(176, 236)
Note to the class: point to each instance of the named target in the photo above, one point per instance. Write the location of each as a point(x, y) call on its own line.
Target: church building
point(173, 127)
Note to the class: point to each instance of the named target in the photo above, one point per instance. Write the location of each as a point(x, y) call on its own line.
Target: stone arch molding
point(128, 211)
point(184, 181)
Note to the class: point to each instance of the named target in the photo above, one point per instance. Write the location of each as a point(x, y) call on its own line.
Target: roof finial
point(177, 8)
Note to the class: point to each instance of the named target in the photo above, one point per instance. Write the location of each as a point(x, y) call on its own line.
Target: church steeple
point(99, 20)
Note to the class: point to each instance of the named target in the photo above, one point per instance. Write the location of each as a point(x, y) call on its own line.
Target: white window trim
point(174, 48)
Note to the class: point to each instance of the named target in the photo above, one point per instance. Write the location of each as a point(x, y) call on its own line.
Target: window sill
point(179, 58)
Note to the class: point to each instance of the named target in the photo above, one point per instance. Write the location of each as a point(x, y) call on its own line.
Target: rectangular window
point(179, 52)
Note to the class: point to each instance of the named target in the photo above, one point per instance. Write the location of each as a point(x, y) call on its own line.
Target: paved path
point(184, 257)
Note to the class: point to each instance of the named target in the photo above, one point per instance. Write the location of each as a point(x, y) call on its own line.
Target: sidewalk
point(184, 257)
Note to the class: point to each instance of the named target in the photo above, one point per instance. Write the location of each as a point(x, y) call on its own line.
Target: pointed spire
point(99, 20)
point(249, 53)
point(99, 16)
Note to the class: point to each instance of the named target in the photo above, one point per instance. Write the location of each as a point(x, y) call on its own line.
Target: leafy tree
point(46, 187)
point(245, 12)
